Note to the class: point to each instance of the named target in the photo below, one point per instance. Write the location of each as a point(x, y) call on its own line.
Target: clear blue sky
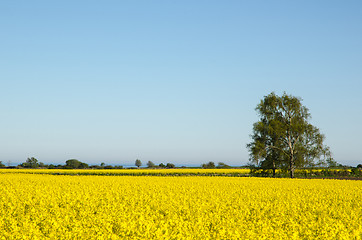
point(172, 81)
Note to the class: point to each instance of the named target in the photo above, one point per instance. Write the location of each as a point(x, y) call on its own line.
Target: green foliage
point(51, 166)
point(75, 164)
point(331, 163)
point(283, 137)
point(208, 165)
point(357, 171)
point(150, 164)
point(222, 165)
point(138, 163)
point(170, 165)
point(1, 164)
point(30, 163)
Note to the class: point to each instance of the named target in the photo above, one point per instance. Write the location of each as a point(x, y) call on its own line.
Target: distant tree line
point(32, 162)
point(76, 164)
point(150, 164)
point(211, 165)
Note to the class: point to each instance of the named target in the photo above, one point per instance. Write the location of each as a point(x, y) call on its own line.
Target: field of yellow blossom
point(134, 172)
point(44, 206)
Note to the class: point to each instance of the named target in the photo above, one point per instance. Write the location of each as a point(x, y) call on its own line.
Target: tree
point(51, 166)
point(42, 165)
point(30, 163)
point(75, 164)
point(170, 165)
point(284, 138)
point(150, 164)
point(208, 165)
point(331, 163)
point(1, 164)
point(138, 163)
point(222, 165)
point(83, 165)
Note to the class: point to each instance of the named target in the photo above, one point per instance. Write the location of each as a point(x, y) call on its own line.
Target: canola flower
point(35, 206)
point(135, 172)
point(154, 172)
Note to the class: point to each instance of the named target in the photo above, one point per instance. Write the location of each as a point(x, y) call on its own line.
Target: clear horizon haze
point(172, 81)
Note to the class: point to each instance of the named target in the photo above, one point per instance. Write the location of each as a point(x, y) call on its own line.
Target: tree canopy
point(283, 136)
point(150, 164)
point(75, 164)
point(138, 163)
point(208, 165)
point(30, 163)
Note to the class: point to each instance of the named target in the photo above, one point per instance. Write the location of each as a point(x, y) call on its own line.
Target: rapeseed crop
point(132, 172)
point(34, 206)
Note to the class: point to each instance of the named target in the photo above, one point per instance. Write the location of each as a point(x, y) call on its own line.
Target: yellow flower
point(43, 206)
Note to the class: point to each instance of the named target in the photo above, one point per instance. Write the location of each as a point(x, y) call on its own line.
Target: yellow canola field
point(140, 171)
point(34, 206)
point(155, 172)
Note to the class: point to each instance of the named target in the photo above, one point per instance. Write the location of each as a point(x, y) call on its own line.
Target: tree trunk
point(292, 167)
point(273, 168)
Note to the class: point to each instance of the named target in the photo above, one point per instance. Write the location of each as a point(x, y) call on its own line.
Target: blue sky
point(172, 81)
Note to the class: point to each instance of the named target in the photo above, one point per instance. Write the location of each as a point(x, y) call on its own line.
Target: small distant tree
point(75, 164)
point(72, 163)
point(42, 165)
point(103, 164)
point(138, 163)
point(150, 164)
point(208, 165)
point(331, 162)
point(170, 165)
point(222, 165)
point(51, 166)
point(161, 165)
point(83, 165)
point(1, 164)
point(30, 163)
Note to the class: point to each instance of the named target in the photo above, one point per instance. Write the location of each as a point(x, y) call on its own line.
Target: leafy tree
point(75, 164)
point(30, 163)
point(1, 164)
point(222, 165)
point(208, 165)
point(331, 163)
point(161, 165)
point(83, 165)
point(51, 166)
point(150, 164)
point(42, 165)
point(170, 165)
point(138, 163)
point(284, 138)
